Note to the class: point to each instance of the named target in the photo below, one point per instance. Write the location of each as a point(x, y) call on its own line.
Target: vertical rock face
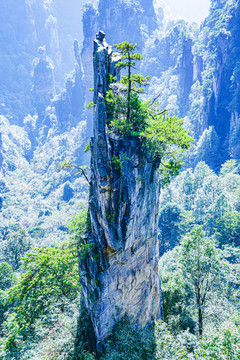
point(43, 80)
point(219, 114)
point(69, 104)
point(197, 68)
point(223, 106)
point(56, 24)
point(185, 72)
point(120, 275)
point(122, 20)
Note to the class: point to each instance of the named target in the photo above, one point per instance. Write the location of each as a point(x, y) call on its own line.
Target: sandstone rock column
point(43, 82)
point(120, 275)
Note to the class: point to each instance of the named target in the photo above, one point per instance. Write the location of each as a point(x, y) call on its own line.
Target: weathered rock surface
point(185, 73)
point(26, 25)
point(123, 20)
point(57, 112)
point(222, 106)
point(120, 276)
point(69, 104)
point(43, 82)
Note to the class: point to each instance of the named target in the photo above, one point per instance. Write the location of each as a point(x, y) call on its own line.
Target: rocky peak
point(123, 20)
point(43, 81)
point(120, 275)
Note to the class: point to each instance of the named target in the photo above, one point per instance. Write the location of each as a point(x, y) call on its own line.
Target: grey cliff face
point(43, 82)
point(185, 72)
point(69, 104)
point(122, 20)
point(120, 275)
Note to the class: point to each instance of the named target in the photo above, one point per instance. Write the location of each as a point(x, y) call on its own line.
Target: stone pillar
point(120, 275)
point(43, 82)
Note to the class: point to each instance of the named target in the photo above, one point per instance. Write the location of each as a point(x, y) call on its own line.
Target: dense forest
point(119, 181)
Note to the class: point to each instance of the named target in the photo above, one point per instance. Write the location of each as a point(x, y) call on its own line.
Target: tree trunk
point(129, 86)
point(200, 314)
point(200, 321)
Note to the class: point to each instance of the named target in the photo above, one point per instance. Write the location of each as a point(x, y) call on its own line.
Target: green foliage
point(206, 149)
point(79, 225)
point(7, 276)
point(87, 148)
point(36, 232)
point(227, 229)
point(7, 280)
point(212, 201)
point(53, 336)
point(128, 58)
point(17, 243)
point(81, 170)
point(115, 106)
point(207, 196)
point(90, 105)
point(167, 346)
point(12, 343)
point(163, 137)
point(110, 217)
point(177, 295)
point(172, 224)
point(3, 308)
point(51, 275)
point(203, 267)
point(44, 303)
point(110, 78)
point(230, 166)
point(127, 341)
point(127, 53)
point(166, 139)
point(132, 342)
point(198, 283)
point(137, 82)
point(116, 163)
point(223, 344)
point(117, 112)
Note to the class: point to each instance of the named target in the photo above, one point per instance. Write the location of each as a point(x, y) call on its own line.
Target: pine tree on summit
point(128, 115)
point(128, 62)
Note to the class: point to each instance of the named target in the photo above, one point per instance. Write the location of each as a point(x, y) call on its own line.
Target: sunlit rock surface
point(121, 274)
point(122, 20)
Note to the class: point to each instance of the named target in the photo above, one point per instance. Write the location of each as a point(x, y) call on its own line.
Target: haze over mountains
point(46, 73)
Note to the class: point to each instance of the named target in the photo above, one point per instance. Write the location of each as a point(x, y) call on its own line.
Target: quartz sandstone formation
point(121, 20)
point(69, 104)
point(43, 82)
point(120, 275)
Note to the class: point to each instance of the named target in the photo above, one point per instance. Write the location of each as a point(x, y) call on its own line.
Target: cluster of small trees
point(163, 136)
point(199, 232)
point(46, 293)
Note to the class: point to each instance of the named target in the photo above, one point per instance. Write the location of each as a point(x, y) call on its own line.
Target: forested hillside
point(84, 234)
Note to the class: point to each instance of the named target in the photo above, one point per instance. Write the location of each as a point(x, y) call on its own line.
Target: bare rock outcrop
point(121, 20)
point(120, 275)
point(43, 82)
